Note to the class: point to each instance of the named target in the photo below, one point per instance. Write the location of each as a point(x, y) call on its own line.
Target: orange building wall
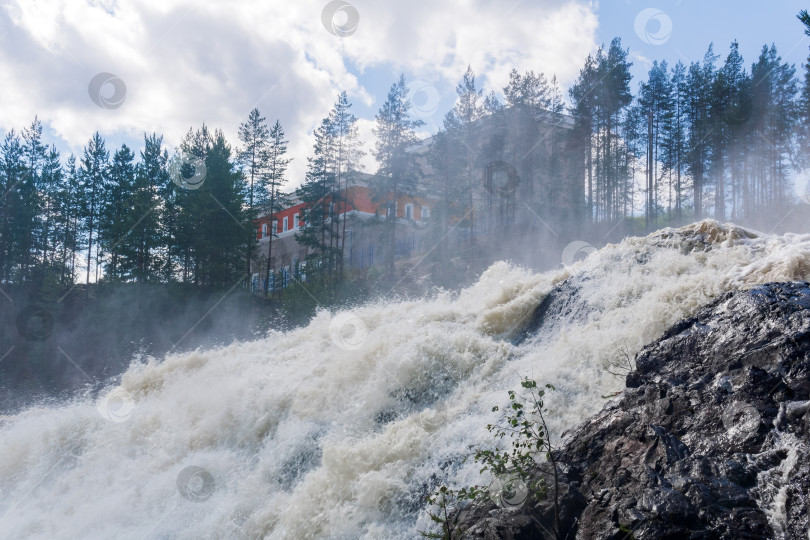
point(359, 198)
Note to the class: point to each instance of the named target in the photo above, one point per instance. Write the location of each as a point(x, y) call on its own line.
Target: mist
point(273, 271)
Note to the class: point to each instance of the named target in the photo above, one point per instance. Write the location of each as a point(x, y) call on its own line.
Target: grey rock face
point(710, 438)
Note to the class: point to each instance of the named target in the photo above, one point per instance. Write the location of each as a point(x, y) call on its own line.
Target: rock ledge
point(710, 438)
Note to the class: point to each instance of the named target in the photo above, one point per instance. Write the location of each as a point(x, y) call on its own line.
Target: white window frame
point(264, 230)
point(409, 211)
point(275, 226)
point(425, 212)
point(295, 221)
point(285, 224)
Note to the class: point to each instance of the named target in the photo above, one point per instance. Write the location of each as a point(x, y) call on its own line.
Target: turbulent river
point(341, 428)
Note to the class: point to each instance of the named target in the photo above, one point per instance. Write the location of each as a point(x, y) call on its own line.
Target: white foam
point(305, 439)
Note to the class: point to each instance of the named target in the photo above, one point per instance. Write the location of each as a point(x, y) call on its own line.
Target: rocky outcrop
point(710, 438)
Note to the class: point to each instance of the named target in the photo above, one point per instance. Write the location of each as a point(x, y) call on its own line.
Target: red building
point(360, 202)
point(362, 246)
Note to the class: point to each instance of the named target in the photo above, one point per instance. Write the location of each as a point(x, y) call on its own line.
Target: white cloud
point(186, 62)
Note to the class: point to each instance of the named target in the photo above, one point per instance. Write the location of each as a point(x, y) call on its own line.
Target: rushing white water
point(772, 492)
point(340, 429)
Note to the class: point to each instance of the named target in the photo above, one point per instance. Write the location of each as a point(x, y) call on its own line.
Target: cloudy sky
point(175, 64)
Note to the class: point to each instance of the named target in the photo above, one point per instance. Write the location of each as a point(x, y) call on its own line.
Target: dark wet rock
point(559, 306)
point(710, 439)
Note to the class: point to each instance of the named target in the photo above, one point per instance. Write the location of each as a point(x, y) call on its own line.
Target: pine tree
point(12, 174)
point(467, 111)
point(70, 213)
point(189, 208)
point(398, 172)
point(803, 157)
point(614, 98)
point(277, 163)
point(734, 89)
point(584, 110)
point(656, 100)
point(316, 196)
point(555, 165)
point(446, 158)
point(30, 191)
point(771, 129)
point(253, 158)
point(93, 175)
point(146, 240)
point(116, 218)
point(348, 153)
point(225, 224)
point(50, 183)
point(676, 136)
point(699, 83)
point(600, 98)
point(527, 98)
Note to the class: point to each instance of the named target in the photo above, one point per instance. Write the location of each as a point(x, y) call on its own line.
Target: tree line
point(714, 138)
point(117, 218)
point(711, 139)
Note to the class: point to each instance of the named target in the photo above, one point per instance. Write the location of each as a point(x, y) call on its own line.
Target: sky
point(131, 67)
